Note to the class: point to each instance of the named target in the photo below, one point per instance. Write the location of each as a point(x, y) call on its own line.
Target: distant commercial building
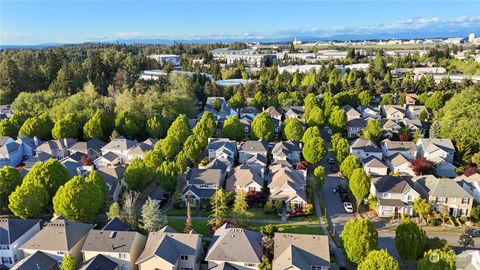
point(254, 60)
point(164, 58)
point(156, 73)
point(232, 82)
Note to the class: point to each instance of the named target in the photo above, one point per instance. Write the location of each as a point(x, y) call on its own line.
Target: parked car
point(474, 232)
point(333, 169)
point(348, 207)
point(330, 132)
point(331, 161)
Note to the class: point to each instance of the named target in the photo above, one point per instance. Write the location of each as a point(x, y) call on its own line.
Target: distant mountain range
point(304, 38)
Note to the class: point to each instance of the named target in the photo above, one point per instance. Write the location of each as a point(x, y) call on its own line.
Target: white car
point(330, 132)
point(331, 161)
point(348, 207)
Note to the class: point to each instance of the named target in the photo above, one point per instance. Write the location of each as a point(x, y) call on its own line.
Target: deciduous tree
point(409, 240)
point(262, 127)
point(421, 207)
point(28, 200)
point(348, 165)
point(68, 263)
point(67, 127)
point(422, 166)
point(373, 131)
point(50, 174)
point(359, 183)
point(137, 175)
point(379, 260)
point(154, 127)
point(233, 129)
point(310, 133)
point(438, 259)
point(359, 238)
point(293, 130)
point(10, 179)
point(179, 129)
point(315, 117)
point(314, 150)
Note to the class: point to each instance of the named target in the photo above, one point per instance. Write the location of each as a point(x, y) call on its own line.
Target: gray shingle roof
point(399, 145)
point(99, 262)
point(374, 162)
point(216, 143)
point(13, 228)
point(169, 246)
point(441, 187)
point(59, 235)
point(37, 260)
point(242, 176)
point(254, 146)
point(119, 144)
point(204, 176)
point(366, 145)
point(235, 245)
point(111, 241)
point(300, 250)
point(116, 225)
point(94, 144)
point(48, 146)
point(283, 148)
point(430, 144)
point(392, 184)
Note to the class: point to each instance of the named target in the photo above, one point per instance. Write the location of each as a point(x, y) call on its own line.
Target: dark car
point(333, 169)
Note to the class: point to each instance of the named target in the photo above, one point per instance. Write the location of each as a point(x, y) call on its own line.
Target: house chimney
point(36, 141)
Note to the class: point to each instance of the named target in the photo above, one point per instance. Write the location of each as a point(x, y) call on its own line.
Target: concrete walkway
point(338, 252)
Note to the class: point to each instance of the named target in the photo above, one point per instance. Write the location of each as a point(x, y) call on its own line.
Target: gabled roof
point(140, 149)
point(468, 179)
point(257, 159)
point(351, 111)
point(49, 146)
point(119, 144)
point(249, 110)
point(431, 145)
point(398, 159)
point(301, 251)
point(356, 123)
point(8, 148)
point(37, 260)
point(235, 245)
point(274, 112)
point(399, 146)
point(94, 144)
point(217, 143)
point(441, 187)
point(201, 193)
point(287, 183)
point(111, 241)
point(295, 110)
point(116, 225)
point(40, 157)
point(71, 164)
point(365, 145)
point(373, 162)
point(109, 156)
point(59, 235)
point(283, 148)
point(393, 109)
point(392, 184)
point(243, 176)
point(99, 262)
point(28, 141)
point(204, 176)
point(254, 146)
point(13, 228)
point(219, 163)
point(169, 246)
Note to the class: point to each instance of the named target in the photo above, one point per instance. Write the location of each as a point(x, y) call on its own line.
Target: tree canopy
point(314, 150)
point(359, 238)
point(262, 127)
point(379, 260)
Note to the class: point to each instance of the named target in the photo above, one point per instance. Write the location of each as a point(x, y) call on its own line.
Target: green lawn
point(258, 213)
point(290, 228)
point(200, 226)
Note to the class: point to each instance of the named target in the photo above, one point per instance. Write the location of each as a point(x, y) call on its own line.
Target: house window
point(249, 264)
point(60, 253)
point(6, 260)
point(203, 186)
point(124, 267)
point(4, 247)
point(251, 188)
point(409, 198)
point(184, 257)
point(316, 267)
point(122, 255)
point(441, 200)
point(464, 200)
point(454, 199)
point(463, 211)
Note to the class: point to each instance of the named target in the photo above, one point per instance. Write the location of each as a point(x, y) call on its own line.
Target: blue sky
point(34, 22)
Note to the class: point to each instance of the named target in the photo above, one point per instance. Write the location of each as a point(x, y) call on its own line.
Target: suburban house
point(415, 125)
point(374, 166)
point(226, 112)
point(440, 152)
point(249, 149)
point(413, 111)
point(56, 148)
point(471, 184)
point(397, 163)
point(99, 262)
point(222, 164)
point(211, 101)
point(245, 178)
point(74, 164)
point(121, 247)
point(39, 157)
point(140, 149)
point(394, 112)
point(113, 177)
point(246, 121)
point(411, 99)
point(11, 153)
point(37, 260)
point(234, 248)
point(15, 232)
point(250, 112)
point(389, 127)
point(28, 146)
point(369, 112)
point(407, 149)
point(91, 148)
point(222, 148)
point(288, 186)
point(166, 249)
point(363, 148)
point(57, 238)
point(300, 251)
point(116, 224)
point(295, 112)
point(201, 185)
point(119, 146)
point(395, 195)
point(351, 112)
point(109, 159)
point(442, 192)
point(274, 112)
point(288, 151)
point(355, 127)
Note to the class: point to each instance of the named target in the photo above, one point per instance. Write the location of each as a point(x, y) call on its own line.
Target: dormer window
point(316, 267)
